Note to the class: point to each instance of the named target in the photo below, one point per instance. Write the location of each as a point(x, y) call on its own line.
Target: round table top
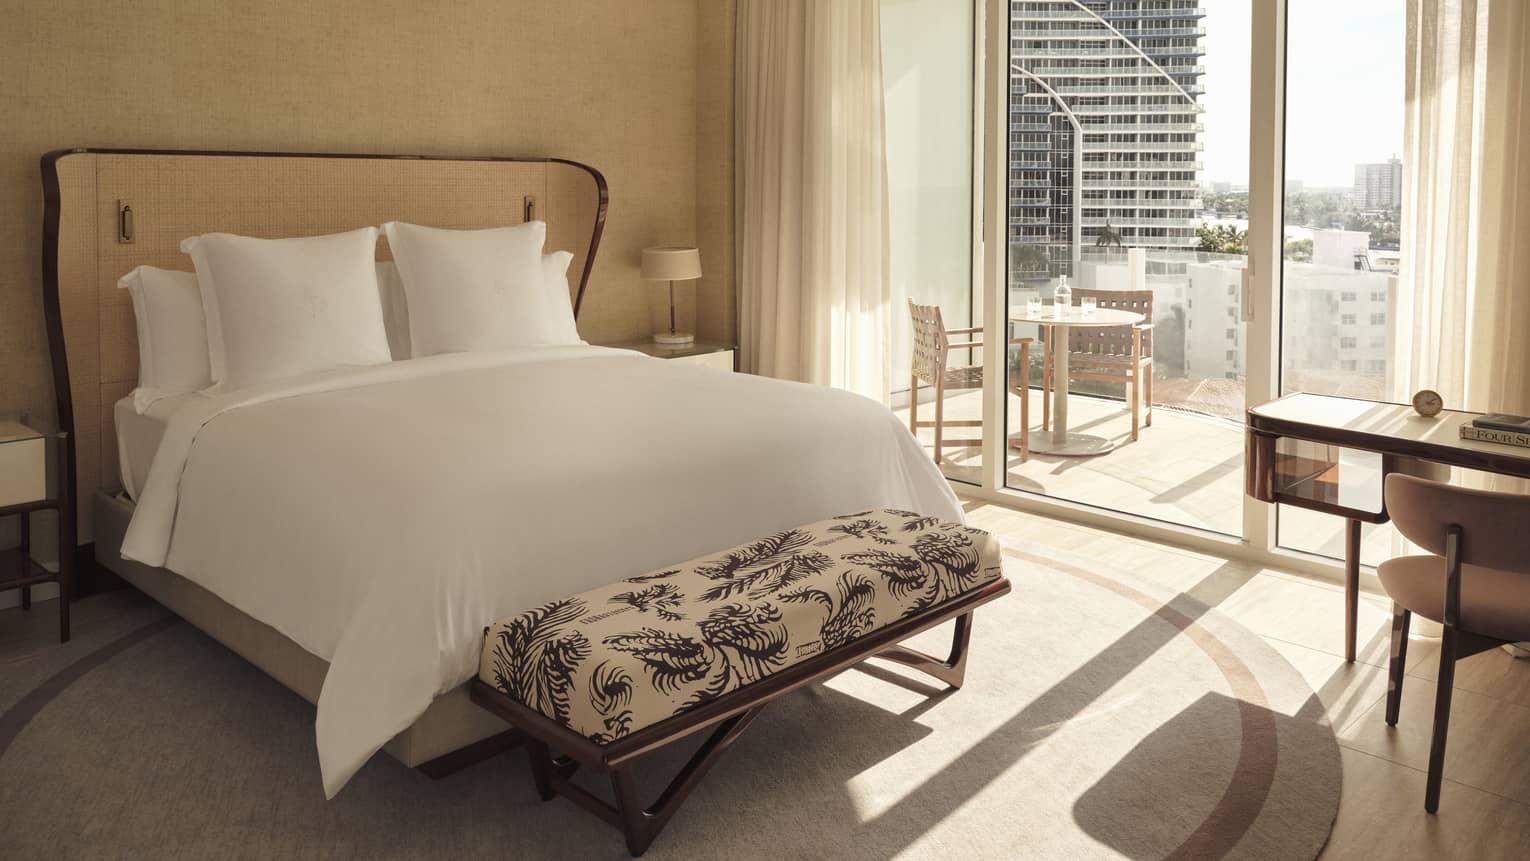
point(1075, 316)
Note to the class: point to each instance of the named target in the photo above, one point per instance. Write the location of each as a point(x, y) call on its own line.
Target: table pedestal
point(1060, 441)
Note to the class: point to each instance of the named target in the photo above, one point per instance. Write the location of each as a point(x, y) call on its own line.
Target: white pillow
point(560, 325)
point(396, 307)
point(474, 290)
point(278, 308)
point(172, 333)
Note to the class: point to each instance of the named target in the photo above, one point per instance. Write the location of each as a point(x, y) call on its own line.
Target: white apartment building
point(1379, 186)
point(1104, 128)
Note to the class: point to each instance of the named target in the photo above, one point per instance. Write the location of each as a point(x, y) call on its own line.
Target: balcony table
point(1061, 441)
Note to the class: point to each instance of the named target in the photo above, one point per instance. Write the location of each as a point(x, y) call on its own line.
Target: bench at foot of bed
point(603, 678)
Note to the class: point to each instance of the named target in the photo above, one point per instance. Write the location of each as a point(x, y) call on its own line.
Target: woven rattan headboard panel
point(173, 195)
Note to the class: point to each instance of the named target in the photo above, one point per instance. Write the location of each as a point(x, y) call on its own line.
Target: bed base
point(555, 753)
point(451, 735)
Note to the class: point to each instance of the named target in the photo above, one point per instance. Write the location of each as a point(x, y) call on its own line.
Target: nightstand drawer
point(23, 466)
point(721, 360)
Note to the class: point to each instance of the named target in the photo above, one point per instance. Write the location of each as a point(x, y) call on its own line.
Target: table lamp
point(672, 263)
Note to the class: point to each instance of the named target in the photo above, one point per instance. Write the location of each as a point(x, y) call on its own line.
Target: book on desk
point(1500, 428)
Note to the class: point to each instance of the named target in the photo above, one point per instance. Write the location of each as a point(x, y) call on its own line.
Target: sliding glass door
point(1126, 188)
point(1339, 284)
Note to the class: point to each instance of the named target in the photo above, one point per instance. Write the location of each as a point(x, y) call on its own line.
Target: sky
point(1344, 88)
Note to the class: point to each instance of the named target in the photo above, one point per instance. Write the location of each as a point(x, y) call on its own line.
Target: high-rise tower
point(1104, 128)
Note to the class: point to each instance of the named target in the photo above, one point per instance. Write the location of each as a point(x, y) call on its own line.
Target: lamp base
point(674, 339)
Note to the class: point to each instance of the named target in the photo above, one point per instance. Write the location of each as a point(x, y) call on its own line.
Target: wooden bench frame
point(730, 714)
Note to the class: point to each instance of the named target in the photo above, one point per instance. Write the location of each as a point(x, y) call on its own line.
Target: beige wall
point(641, 91)
point(591, 80)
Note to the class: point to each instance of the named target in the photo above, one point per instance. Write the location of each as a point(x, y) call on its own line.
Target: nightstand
point(719, 356)
point(33, 477)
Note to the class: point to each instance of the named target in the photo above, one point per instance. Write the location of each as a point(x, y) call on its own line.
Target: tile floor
point(1485, 806)
point(1185, 469)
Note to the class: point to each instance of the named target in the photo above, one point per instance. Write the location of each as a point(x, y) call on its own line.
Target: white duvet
point(380, 517)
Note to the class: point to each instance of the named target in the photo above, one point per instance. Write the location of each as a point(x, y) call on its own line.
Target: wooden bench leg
point(540, 759)
point(639, 824)
point(952, 670)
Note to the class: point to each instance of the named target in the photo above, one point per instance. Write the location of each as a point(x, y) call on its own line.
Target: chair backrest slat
point(1495, 526)
point(1112, 340)
point(930, 341)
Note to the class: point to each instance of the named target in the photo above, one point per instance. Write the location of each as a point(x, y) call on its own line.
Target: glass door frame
point(1260, 301)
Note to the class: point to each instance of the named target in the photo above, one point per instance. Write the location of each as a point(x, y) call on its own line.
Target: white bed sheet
point(381, 517)
point(138, 436)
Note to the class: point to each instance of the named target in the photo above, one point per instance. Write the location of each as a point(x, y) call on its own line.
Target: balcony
point(1186, 469)
point(1143, 146)
point(1140, 128)
point(1127, 89)
point(1090, 221)
point(1099, 31)
point(1187, 109)
point(1021, 52)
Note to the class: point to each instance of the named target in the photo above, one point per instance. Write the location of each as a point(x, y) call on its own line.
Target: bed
point(351, 532)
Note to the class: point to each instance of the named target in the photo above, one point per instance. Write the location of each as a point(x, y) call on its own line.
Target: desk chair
point(1475, 582)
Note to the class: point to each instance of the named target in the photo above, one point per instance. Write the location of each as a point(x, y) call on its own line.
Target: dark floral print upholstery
point(610, 661)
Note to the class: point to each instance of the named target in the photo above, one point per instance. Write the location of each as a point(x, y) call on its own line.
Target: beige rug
point(1102, 717)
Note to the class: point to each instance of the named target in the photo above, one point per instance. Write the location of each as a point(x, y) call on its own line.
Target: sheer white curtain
point(814, 298)
point(1463, 309)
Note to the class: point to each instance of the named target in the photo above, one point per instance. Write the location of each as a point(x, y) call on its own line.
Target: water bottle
point(1062, 297)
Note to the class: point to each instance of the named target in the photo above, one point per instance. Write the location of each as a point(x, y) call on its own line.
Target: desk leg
point(1351, 586)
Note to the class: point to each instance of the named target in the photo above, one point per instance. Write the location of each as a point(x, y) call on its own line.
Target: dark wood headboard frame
point(52, 308)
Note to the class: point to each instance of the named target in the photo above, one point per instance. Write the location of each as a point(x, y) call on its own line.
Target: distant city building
point(1378, 186)
point(1104, 105)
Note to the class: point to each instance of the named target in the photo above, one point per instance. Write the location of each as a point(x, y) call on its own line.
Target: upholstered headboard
point(107, 211)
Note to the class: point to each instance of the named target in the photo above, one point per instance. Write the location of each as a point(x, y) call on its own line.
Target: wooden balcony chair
point(932, 364)
point(1111, 353)
point(1475, 582)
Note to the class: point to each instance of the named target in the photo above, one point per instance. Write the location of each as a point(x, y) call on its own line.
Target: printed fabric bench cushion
point(610, 661)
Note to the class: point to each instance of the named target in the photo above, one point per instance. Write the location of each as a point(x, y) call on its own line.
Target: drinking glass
point(1087, 305)
point(1033, 307)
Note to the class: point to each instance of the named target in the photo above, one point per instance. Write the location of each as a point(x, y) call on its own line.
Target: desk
point(1292, 458)
point(1062, 442)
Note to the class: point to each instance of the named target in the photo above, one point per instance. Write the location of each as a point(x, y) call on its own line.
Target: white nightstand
point(34, 477)
point(719, 356)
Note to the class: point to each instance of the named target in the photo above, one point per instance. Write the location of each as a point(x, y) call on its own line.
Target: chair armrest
point(964, 331)
point(964, 345)
point(1022, 340)
point(1142, 327)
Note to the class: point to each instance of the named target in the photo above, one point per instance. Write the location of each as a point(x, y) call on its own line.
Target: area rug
point(1103, 717)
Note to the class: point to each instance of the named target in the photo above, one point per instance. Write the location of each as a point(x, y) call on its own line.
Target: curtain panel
point(812, 227)
point(1463, 304)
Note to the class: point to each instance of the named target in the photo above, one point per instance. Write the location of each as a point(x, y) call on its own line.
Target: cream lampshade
point(672, 263)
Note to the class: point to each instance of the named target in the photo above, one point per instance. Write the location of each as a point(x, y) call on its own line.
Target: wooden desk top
point(1386, 428)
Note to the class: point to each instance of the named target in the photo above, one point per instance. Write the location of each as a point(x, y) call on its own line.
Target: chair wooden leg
point(1147, 401)
point(913, 405)
point(1134, 388)
point(1133, 392)
point(940, 417)
point(1397, 665)
point(1441, 717)
point(1025, 402)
